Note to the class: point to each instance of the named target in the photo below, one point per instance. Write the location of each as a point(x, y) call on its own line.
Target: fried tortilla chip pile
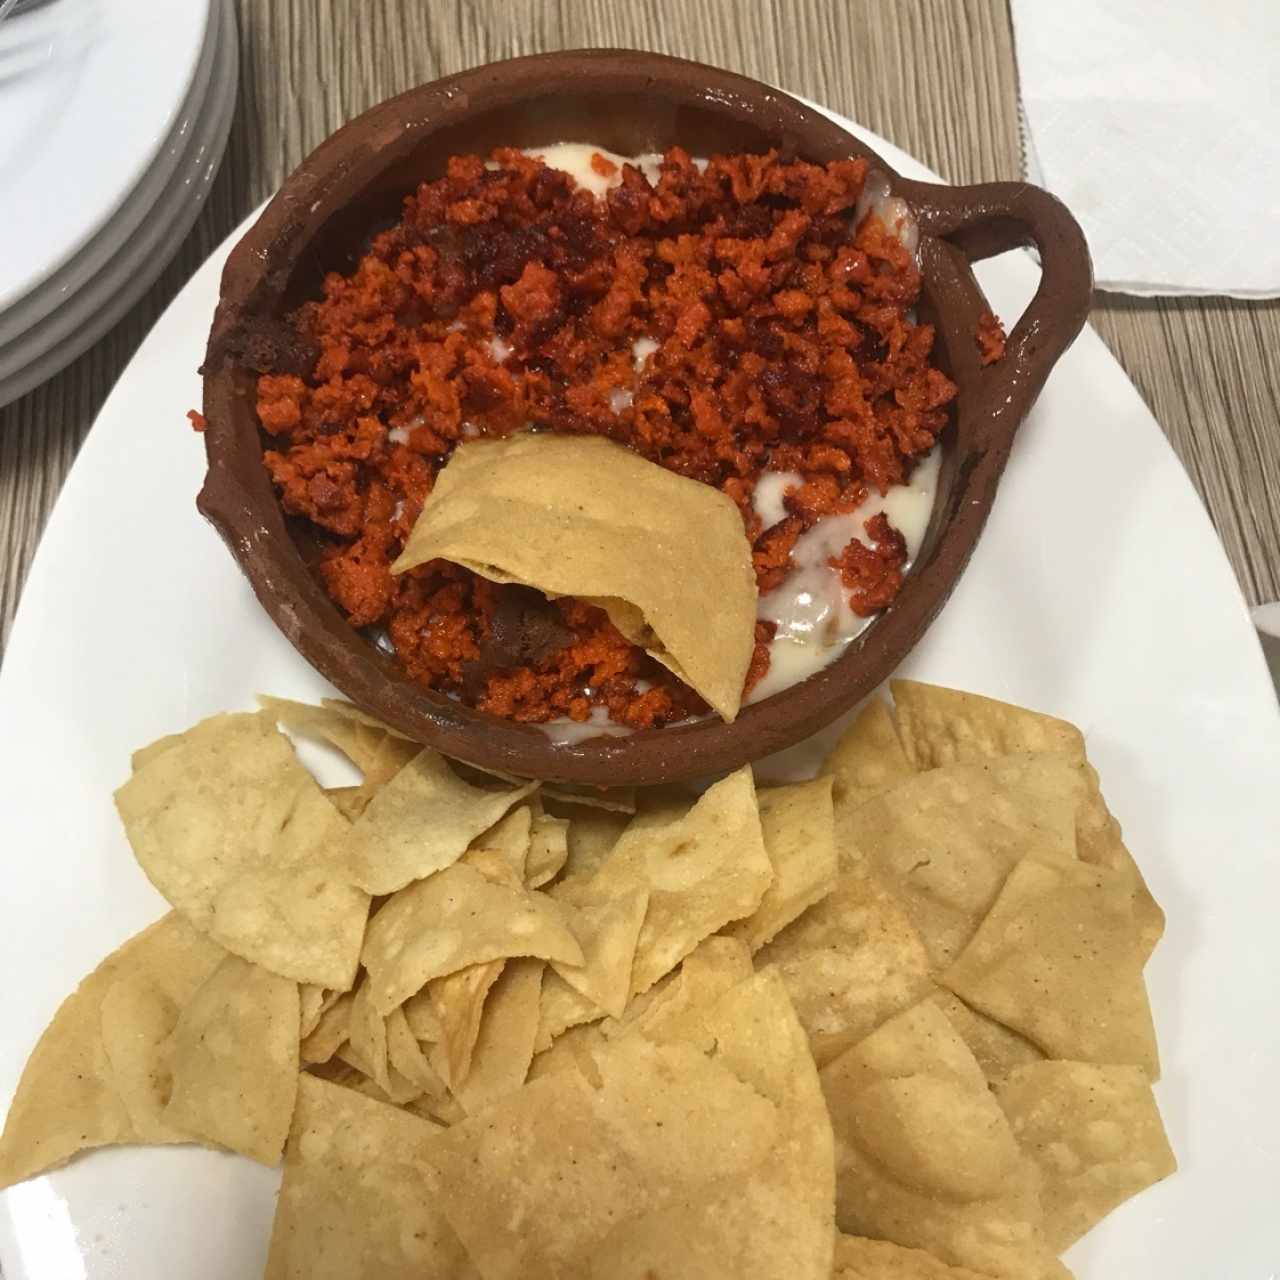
point(890, 1023)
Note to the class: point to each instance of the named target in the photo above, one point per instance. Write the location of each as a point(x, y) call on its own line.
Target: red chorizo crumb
point(873, 573)
point(771, 557)
point(507, 295)
point(759, 665)
point(197, 420)
point(990, 337)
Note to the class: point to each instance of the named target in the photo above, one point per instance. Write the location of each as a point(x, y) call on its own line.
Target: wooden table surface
point(938, 77)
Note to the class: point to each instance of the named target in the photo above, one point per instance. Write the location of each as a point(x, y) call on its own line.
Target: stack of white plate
point(113, 118)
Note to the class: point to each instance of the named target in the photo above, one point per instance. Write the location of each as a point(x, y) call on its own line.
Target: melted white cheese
point(892, 210)
point(771, 488)
point(641, 349)
point(811, 607)
point(568, 733)
point(574, 158)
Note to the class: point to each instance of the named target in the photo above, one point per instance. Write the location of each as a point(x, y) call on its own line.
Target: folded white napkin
point(1158, 123)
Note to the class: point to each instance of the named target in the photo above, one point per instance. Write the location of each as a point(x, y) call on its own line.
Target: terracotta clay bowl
point(629, 103)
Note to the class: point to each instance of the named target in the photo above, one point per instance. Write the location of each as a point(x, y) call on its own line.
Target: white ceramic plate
point(1099, 592)
point(131, 265)
point(78, 132)
point(61, 284)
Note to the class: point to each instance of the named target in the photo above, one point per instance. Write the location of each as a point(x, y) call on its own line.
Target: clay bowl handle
point(963, 225)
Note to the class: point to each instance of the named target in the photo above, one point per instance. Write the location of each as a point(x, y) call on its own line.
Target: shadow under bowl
point(627, 102)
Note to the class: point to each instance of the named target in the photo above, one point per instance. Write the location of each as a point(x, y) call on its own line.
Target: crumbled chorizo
point(990, 337)
point(779, 337)
point(873, 573)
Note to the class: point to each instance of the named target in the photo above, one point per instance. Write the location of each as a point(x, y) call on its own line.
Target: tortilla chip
point(943, 842)
point(144, 755)
point(1098, 841)
point(330, 1033)
point(924, 1155)
point(942, 726)
point(421, 822)
point(678, 1008)
point(351, 802)
point(368, 1051)
point(571, 1052)
point(1057, 959)
point(591, 837)
point(534, 1183)
point(857, 1258)
point(945, 726)
point(868, 758)
point(355, 740)
point(1101, 844)
point(139, 1011)
point(509, 837)
point(1095, 1133)
point(799, 837)
point(352, 712)
point(776, 1219)
point(335, 1071)
point(458, 1000)
point(610, 799)
point(548, 849)
point(404, 1055)
point(1048, 776)
point(443, 1113)
point(453, 919)
point(582, 516)
point(235, 1061)
point(366, 1047)
point(704, 869)
point(496, 867)
point(375, 749)
point(384, 762)
point(504, 1047)
point(997, 1049)
point(229, 826)
point(607, 929)
point(70, 1097)
point(356, 1201)
point(398, 1092)
point(849, 963)
point(420, 1014)
point(312, 1003)
point(717, 964)
point(561, 1008)
point(403, 1092)
point(675, 1008)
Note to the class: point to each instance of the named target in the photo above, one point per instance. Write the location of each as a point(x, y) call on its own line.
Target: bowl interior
point(354, 187)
